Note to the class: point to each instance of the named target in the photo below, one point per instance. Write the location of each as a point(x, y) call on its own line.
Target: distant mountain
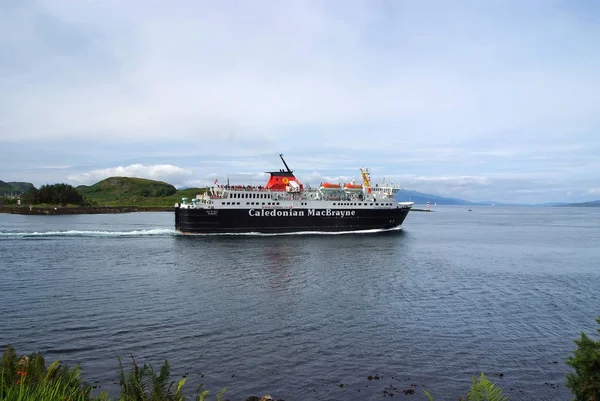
point(14, 188)
point(595, 203)
point(406, 195)
point(552, 204)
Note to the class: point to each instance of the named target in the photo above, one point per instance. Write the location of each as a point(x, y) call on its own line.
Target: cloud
point(461, 99)
point(455, 181)
point(56, 167)
point(213, 70)
point(162, 172)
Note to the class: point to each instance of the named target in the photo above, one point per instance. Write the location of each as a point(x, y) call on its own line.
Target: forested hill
point(134, 191)
point(8, 188)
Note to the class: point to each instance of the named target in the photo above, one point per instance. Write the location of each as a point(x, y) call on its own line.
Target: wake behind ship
point(285, 205)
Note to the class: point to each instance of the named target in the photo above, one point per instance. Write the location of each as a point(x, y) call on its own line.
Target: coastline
point(27, 210)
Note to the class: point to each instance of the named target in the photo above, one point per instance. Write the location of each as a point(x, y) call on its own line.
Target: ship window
point(238, 203)
point(333, 203)
point(278, 203)
point(247, 203)
point(263, 203)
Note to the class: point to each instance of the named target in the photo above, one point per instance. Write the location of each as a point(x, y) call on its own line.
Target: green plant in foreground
point(144, 384)
point(480, 390)
point(28, 378)
point(584, 383)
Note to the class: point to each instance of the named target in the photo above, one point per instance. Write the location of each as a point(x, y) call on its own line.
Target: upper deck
point(283, 186)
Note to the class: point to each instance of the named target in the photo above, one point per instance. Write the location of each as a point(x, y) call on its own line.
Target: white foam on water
point(173, 232)
point(371, 231)
point(85, 233)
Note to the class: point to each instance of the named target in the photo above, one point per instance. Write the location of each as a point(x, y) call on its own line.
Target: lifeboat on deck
point(327, 186)
point(353, 188)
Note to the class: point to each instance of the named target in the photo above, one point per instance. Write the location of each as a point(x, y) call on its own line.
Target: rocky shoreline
point(32, 210)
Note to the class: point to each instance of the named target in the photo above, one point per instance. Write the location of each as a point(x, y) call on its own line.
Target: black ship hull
point(209, 221)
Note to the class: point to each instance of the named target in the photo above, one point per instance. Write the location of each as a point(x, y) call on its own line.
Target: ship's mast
point(285, 164)
point(366, 180)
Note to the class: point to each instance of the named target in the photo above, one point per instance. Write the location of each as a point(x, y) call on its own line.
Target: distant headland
point(111, 195)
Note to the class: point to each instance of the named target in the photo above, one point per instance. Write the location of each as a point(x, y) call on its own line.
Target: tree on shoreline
point(56, 194)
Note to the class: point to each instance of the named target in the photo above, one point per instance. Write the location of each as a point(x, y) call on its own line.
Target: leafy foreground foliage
point(27, 378)
point(585, 381)
point(481, 390)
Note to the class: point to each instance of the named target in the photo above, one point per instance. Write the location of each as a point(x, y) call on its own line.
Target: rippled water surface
point(499, 290)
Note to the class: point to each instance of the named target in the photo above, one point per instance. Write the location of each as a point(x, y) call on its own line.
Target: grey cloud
point(408, 89)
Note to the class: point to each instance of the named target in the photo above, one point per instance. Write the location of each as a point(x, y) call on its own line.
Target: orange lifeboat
point(330, 186)
point(352, 188)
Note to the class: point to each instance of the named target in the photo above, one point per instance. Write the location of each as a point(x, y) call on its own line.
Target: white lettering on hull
point(300, 213)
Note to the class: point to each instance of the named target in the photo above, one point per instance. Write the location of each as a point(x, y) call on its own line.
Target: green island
point(111, 195)
point(28, 378)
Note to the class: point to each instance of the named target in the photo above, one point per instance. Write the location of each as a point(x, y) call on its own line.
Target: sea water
point(499, 290)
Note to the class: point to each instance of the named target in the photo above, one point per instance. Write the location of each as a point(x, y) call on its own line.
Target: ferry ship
point(285, 205)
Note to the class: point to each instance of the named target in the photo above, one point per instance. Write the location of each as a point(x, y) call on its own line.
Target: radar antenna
point(285, 164)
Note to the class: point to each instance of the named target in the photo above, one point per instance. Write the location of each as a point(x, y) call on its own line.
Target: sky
point(482, 100)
